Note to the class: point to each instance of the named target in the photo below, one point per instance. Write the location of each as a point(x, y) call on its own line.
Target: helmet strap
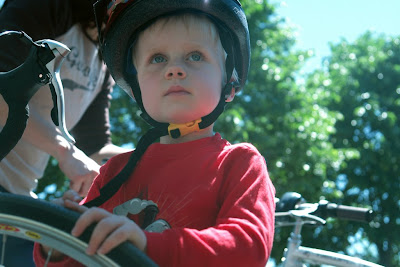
point(107, 191)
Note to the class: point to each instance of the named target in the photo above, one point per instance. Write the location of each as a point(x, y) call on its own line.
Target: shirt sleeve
point(243, 231)
point(93, 130)
point(40, 259)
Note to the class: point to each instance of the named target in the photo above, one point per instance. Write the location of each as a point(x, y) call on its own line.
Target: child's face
point(179, 71)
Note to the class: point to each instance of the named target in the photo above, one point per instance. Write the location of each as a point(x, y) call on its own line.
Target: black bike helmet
point(125, 19)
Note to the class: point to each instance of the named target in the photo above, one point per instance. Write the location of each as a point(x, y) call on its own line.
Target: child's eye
point(158, 59)
point(195, 56)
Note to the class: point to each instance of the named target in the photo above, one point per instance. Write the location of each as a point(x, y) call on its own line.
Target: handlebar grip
point(14, 128)
point(349, 212)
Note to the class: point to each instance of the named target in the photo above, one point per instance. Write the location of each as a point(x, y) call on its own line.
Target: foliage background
point(331, 134)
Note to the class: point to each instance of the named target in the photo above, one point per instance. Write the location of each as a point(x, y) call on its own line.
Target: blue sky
point(323, 21)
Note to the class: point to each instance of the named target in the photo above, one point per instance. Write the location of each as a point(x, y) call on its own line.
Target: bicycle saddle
point(18, 85)
point(288, 201)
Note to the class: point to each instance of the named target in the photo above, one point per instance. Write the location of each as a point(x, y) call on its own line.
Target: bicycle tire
point(46, 223)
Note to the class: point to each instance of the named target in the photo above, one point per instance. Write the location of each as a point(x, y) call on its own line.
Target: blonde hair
point(203, 23)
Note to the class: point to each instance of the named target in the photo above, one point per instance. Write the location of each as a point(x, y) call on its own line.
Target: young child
point(213, 201)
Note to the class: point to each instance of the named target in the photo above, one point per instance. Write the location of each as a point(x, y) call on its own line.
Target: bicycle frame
point(295, 255)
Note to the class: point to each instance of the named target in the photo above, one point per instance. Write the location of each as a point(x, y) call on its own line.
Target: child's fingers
point(71, 195)
point(87, 218)
point(110, 231)
point(128, 231)
point(58, 201)
point(102, 232)
point(117, 237)
point(75, 206)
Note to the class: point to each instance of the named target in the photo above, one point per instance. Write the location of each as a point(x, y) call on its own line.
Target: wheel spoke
point(48, 256)
point(3, 249)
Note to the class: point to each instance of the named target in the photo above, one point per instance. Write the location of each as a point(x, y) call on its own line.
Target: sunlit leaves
point(365, 78)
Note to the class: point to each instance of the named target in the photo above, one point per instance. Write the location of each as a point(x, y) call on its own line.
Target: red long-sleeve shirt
point(217, 198)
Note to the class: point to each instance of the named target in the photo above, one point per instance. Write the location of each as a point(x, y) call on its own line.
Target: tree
point(365, 79)
point(286, 119)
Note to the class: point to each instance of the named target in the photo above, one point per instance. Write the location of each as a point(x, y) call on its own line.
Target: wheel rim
point(38, 232)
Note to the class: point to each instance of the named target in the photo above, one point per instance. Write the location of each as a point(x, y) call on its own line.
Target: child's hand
point(69, 195)
point(111, 230)
point(70, 200)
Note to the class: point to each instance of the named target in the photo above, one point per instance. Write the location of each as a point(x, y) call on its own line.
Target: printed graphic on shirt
point(72, 85)
point(150, 210)
point(75, 60)
point(182, 210)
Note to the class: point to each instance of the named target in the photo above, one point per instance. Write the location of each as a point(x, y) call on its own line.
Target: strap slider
point(178, 130)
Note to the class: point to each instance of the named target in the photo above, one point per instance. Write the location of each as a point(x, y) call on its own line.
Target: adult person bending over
point(87, 87)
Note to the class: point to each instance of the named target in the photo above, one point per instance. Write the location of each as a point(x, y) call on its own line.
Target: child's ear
point(231, 96)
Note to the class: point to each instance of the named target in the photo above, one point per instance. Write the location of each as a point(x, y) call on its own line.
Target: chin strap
point(179, 130)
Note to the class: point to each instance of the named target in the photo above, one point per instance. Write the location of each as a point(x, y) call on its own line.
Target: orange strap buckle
point(178, 130)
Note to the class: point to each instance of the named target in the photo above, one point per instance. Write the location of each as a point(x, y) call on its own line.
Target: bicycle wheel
point(50, 224)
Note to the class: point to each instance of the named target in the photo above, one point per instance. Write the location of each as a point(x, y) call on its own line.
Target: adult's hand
point(78, 167)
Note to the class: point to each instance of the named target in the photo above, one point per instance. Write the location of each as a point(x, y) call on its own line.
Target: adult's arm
point(44, 19)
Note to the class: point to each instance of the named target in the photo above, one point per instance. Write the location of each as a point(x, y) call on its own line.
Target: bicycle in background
point(292, 210)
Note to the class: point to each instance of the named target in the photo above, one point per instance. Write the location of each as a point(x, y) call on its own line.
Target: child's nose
point(175, 72)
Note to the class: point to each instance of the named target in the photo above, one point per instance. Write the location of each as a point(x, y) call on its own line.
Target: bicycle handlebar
point(17, 87)
point(333, 210)
point(292, 204)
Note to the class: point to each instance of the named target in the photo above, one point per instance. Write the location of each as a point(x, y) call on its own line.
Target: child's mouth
point(176, 90)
